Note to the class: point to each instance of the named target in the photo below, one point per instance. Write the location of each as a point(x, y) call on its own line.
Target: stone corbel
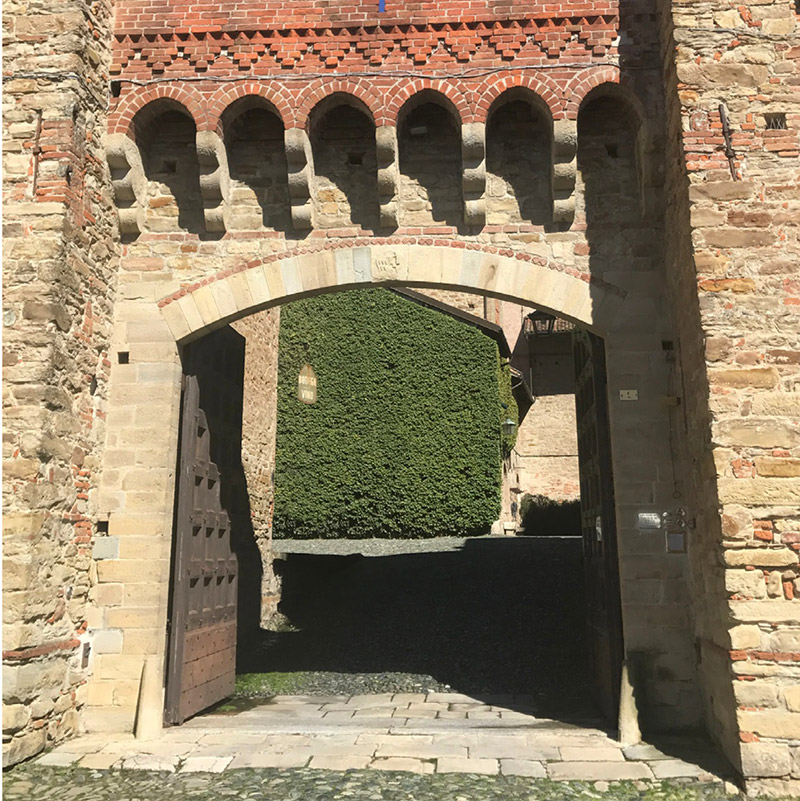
point(388, 175)
point(215, 179)
point(473, 165)
point(300, 163)
point(565, 167)
point(128, 182)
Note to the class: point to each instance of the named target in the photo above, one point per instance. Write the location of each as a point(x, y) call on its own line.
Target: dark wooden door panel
point(203, 610)
point(598, 522)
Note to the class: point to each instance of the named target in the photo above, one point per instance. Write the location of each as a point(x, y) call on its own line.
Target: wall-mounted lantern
point(539, 324)
point(508, 426)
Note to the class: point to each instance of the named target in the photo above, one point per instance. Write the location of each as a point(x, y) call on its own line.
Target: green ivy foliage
point(404, 439)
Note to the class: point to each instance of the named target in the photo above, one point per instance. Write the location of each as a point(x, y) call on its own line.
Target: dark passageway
point(496, 617)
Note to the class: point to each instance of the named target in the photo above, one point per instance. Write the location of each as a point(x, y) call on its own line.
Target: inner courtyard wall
point(259, 425)
point(546, 452)
point(544, 460)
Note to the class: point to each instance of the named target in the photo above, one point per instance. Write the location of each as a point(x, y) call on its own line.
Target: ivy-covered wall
point(405, 437)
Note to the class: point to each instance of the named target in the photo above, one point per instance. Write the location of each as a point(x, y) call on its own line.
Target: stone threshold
point(420, 733)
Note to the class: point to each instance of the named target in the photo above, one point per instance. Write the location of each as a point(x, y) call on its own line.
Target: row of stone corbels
point(473, 161)
point(130, 183)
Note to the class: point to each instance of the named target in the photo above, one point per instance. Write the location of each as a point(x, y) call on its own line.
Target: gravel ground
point(314, 682)
point(481, 616)
point(374, 547)
point(76, 784)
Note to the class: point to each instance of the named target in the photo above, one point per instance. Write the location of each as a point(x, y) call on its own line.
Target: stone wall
point(733, 269)
point(603, 226)
point(546, 453)
point(59, 271)
point(259, 422)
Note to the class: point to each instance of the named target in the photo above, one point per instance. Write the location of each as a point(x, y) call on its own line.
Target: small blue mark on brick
point(381, 5)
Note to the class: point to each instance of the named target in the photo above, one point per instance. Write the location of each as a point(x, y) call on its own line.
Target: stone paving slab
point(61, 759)
point(498, 749)
point(205, 764)
point(398, 747)
point(608, 754)
point(268, 759)
point(522, 767)
point(339, 762)
point(463, 765)
point(675, 769)
point(403, 764)
point(360, 733)
point(599, 771)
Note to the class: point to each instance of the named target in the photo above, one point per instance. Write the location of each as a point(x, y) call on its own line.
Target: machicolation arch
point(394, 191)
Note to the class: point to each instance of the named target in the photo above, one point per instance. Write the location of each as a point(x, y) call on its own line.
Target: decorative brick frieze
point(560, 92)
point(178, 52)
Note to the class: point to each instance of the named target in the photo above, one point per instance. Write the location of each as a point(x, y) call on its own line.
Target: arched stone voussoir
point(503, 273)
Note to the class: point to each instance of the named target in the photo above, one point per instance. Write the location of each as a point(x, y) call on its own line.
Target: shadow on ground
point(498, 617)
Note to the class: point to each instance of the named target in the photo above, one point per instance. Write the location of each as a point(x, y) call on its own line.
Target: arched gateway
point(148, 379)
point(187, 172)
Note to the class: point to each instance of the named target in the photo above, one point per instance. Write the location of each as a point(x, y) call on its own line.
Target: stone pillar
point(128, 182)
point(214, 179)
point(130, 590)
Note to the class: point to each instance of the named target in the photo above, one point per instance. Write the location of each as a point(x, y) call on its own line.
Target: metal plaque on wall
point(307, 385)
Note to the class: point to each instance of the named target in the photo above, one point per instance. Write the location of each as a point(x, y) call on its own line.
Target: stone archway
point(226, 296)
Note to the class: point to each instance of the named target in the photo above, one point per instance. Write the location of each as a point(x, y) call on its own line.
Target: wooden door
point(201, 667)
point(598, 522)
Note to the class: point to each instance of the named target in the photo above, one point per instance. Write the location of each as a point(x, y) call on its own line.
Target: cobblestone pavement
point(439, 733)
point(79, 784)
